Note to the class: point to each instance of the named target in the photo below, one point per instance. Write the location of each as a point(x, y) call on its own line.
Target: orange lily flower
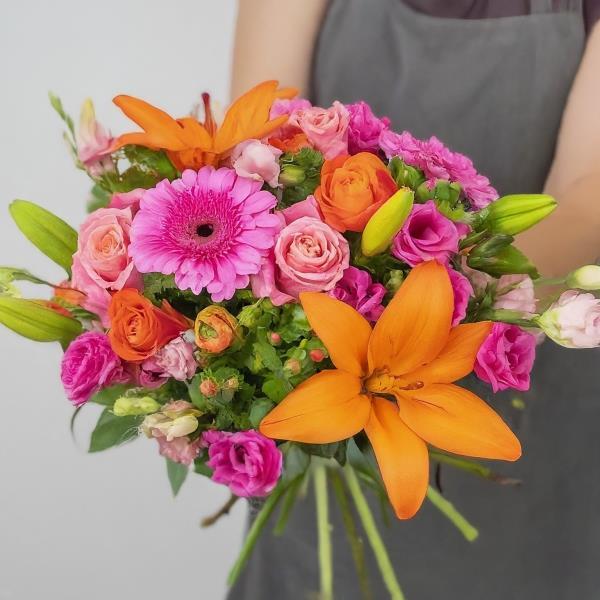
point(191, 144)
point(411, 355)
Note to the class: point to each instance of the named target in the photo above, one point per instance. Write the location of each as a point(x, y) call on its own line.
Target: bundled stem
point(324, 531)
point(447, 508)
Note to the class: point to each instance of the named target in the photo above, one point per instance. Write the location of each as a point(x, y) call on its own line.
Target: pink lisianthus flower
point(439, 162)
point(463, 290)
point(325, 128)
point(256, 160)
point(88, 365)
point(308, 256)
point(247, 462)
point(129, 200)
point(516, 292)
point(175, 360)
point(426, 235)
point(93, 143)
point(357, 288)
point(505, 358)
point(211, 229)
point(573, 320)
point(102, 262)
point(364, 128)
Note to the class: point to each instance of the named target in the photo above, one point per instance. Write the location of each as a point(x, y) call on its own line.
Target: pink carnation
point(247, 462)
point(364, 128)
point(88, 365)
point(463, 290)
point(505, 358)
point(179, 449)
point(256, 160)
point(325, 128)
point(439, 162)
point(357, 288)
point(427, 234)
point(175, 360)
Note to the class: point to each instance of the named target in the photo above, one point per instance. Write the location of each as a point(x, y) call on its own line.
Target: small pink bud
point(208, 388)
point(293, 366)
point(274, 338)
point(317, 355)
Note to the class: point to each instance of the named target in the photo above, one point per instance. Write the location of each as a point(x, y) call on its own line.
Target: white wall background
point(76, 526)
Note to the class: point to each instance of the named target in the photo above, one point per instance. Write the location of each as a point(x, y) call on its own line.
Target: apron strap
point(539, 7)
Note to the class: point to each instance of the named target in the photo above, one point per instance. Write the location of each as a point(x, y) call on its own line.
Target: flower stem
point(366, 516)
point(287, 504)
point(324, 531)
point(224, 510)
point(447, 508)
point(255, 530)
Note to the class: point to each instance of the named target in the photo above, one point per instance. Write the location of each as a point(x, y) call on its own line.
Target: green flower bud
point(513, 214)
point(291, 175)
point(500, 260)
point(396, 277)
point(129, 406)
point(585, 278)
point(404, 175)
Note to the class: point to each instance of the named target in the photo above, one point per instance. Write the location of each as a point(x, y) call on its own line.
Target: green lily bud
point(386, 222)
point(585, 278)
point(513, 214)
point(497, 258)
point(125, 407)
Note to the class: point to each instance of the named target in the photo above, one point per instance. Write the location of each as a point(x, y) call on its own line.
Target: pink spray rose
point(102, 262)
point(88, 365)
point(256, 160)
point(357, 288)
point(179, 450)
point(516, 292)
point(176, 360)
point(573, 320)
point(127, 200)
point(247, 462)
point(426, 234)
point(505, 358)
point(463, 290)
point(326, 128)
point(93, 142)
point(308, 256)
point(364, 128)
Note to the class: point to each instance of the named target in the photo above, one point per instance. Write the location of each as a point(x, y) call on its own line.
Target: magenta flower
point(364, 128)
point(247, 462)
point(462, 290)
point(210, 228)
point(505, 358)
point(427, 234)
point(439, 162)
point(357, 288)
point(88, 365)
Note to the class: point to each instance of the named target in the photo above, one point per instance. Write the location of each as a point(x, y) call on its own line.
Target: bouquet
point(288, 295)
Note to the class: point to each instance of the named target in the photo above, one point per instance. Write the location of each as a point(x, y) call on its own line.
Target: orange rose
point(352, 189)
point(138, 328)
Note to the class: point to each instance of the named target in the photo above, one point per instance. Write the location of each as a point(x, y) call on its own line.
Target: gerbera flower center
point(205, 230)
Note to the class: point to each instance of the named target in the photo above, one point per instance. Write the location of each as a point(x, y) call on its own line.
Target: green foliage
point(112, 431)
point(296, 460)
point(56, 104)
point(177, 474)
point(405, 175)
point(108, 395)
point(99, 198)
point(497, 256)
point(259, 409)
point(300, 174)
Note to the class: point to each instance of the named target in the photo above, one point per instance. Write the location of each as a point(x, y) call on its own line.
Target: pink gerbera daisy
point(210, 229)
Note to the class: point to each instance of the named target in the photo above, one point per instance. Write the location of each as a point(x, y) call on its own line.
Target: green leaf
point(112, 430)
point(51, 235)
point(259, 409)
point(37, 322)
point(267, 355)
point(296, 461)
point(56, 103)
point(276, 389)
point(108, 395)
point(177, 474)
point(201, 467)
point(99, 198)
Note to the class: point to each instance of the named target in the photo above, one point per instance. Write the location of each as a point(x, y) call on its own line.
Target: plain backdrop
point(77, 526)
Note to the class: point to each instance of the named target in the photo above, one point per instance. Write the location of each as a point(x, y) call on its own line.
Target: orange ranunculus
point(293, 143)
point(138, 328)
point(352, 189)
point(413, 355)
point(192, 144)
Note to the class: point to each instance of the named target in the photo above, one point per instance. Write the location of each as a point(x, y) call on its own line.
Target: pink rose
point(88, 365)
point(573, 320)
point(516, 292)
point(102, 263)
point(357, 288)
point(127, 200)
point(176, 360)
point(364, 128)
point(505, 358)
point(426, 235)
point(256, 160)
point(247, 462)
point(463, 290)
point(326, 128)
point(308, 256)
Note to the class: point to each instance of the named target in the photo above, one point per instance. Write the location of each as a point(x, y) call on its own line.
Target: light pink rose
point(326, 128)
point(256, 160)
point(516, 292)
point(308, 256)
point(127, 200)
point(176, 360)
point(102, 263)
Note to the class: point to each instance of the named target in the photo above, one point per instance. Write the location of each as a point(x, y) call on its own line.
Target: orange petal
point(326, 408)
point(415, 325)
point(456, 420)
point(344, 331)
point(402, 457)
point(457, 357)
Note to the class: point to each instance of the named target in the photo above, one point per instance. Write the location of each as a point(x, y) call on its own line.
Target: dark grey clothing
point(495, 90)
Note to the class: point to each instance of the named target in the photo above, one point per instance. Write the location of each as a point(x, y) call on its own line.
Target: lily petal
point(402, 457)
point(415, 325)
point(343, 330)
point(457, 357)
point(456, 420)
point(326, 408)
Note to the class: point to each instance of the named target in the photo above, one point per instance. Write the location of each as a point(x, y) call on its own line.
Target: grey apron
point(495, 90)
